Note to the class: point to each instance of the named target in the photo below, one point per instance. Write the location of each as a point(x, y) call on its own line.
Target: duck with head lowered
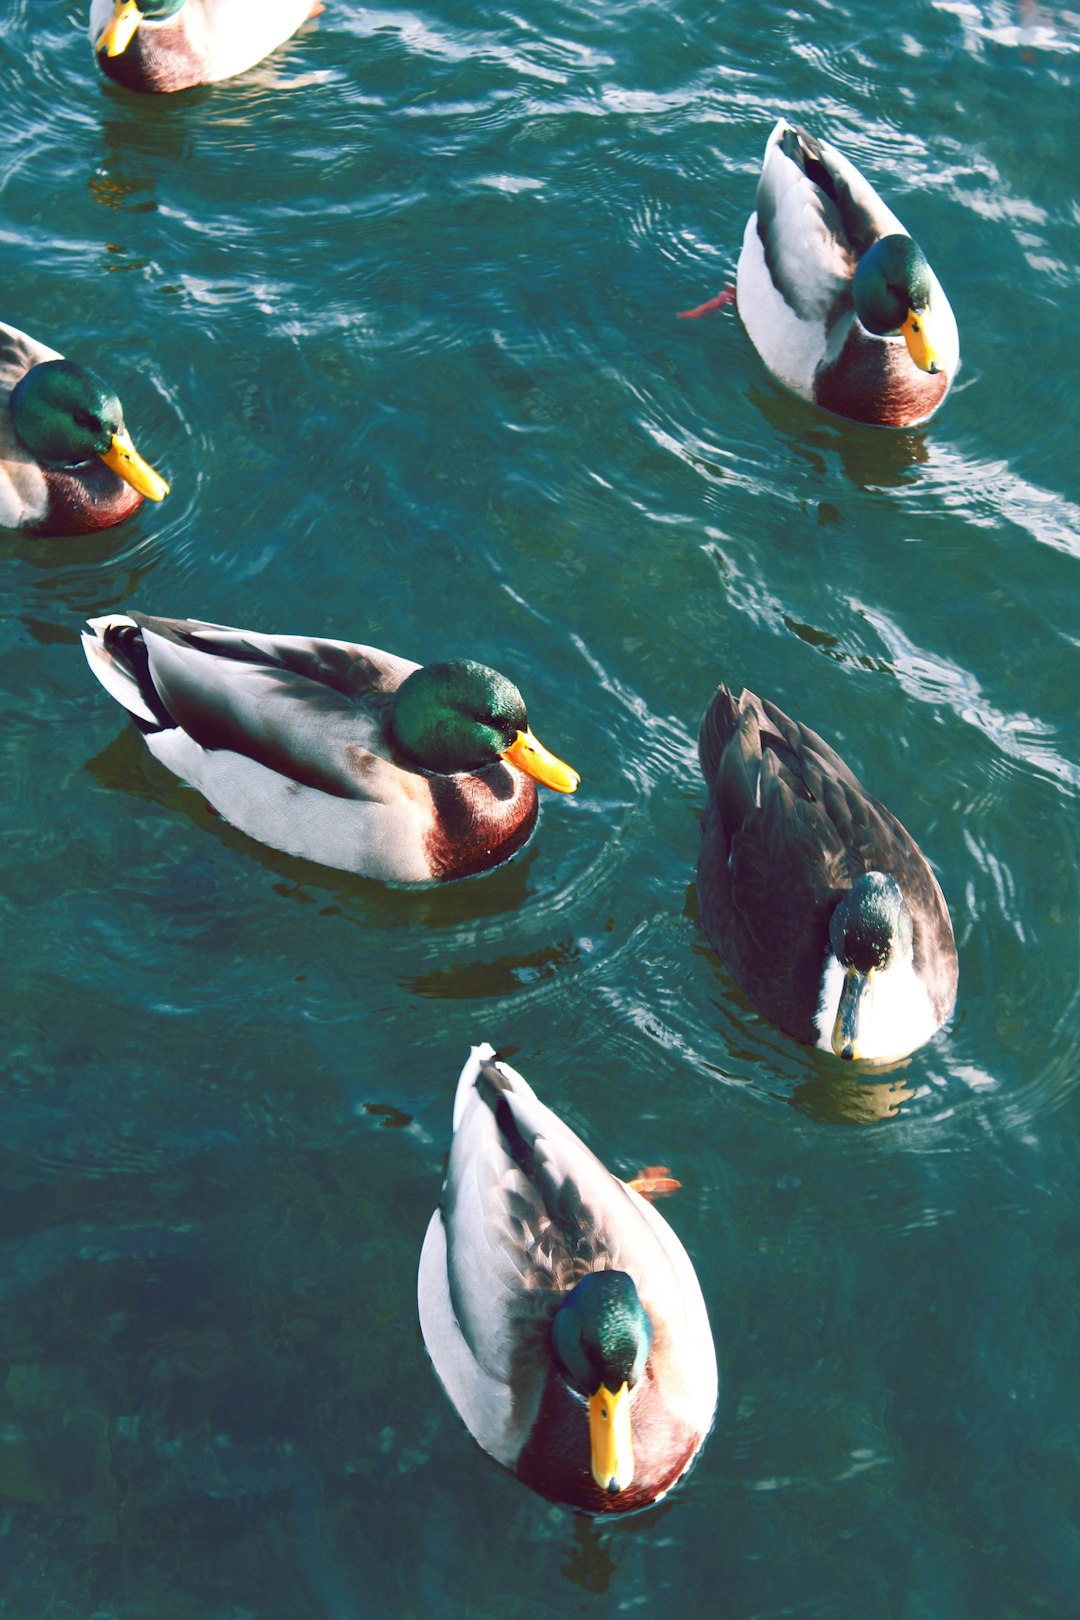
point(562, 1314)
point(163, 45)
point(339, 753)
point(822, 906)
point(67, 463)
point(837, 298)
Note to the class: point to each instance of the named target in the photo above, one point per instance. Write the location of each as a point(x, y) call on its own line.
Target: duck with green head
point(339, 753)
point(562, 1314)
point(67, 463)
point(837, 298)
point(164, 45)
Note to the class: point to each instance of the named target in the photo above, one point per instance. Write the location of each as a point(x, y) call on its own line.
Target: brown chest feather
point(480, 820)
point(555, 1459)
point(83, 499)
point(875, 380)
point(160, 59)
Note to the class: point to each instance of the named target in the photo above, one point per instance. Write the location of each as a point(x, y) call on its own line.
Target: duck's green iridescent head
point(601, 1337)
point(65, 414)
point(892, 292)
point(119, 31)
point(460, 716)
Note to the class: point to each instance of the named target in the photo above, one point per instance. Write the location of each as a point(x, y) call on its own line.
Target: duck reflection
point(135, 144)
point(846, 1099)
point(872, 458)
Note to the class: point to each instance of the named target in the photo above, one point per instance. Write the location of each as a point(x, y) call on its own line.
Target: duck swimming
point(163, 45)
point(67, 463)
point(342, 754)
point(822, 906)
point(561, 1312)
point(837, 298)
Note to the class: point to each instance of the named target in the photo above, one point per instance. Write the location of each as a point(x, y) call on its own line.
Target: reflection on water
point(588, 1563)
point(850, 1100)
point(871, 458)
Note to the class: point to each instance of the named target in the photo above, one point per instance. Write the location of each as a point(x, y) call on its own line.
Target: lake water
point(395, 312)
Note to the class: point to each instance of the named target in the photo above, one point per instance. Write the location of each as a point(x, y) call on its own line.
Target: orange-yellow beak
point(918, 335)
point(610, 1442)
point(530, 755)
point(117, 34)
point(124, 460)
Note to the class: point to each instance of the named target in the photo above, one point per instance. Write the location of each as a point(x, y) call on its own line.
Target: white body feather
point(348, 834)
point(897, 1016)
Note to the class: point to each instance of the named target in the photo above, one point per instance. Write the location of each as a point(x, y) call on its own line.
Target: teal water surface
point(395, 312)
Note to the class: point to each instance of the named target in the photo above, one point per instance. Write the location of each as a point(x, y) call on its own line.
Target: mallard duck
point(67, 463)
point(342, 754)
point(822, 906)
point(161, 45)
point(837, 298)
point(562, 1314)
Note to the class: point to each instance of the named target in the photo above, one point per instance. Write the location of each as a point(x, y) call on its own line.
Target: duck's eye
point(84, 419)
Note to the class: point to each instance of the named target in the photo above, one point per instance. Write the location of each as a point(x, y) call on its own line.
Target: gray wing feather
point(817, 215)
point(309, 708)
point(528, 1210)
point(802, 236)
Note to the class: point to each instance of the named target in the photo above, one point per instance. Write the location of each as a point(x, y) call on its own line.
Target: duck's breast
point(555, 1460)
point(874, 380)
point(479, 820)
point(161, 57)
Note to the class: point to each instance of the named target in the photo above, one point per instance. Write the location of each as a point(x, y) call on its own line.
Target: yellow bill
point(124, 460)
point(919, 337)
point(116, 36)
point(609, 1438)
point(530, 756)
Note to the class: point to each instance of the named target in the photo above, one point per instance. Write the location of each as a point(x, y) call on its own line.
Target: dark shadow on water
point(588, 1563)
point(593, 1552)
point(872, 458)
point(139, 127)
point(468, 980)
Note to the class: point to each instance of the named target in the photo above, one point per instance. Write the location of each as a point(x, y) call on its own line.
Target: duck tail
point(486, 1072)
point(719, 724)
point(116, 653)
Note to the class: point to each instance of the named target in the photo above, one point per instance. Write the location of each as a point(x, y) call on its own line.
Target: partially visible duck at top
point(162, 45)
point(67, 463)
point(837, 298)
